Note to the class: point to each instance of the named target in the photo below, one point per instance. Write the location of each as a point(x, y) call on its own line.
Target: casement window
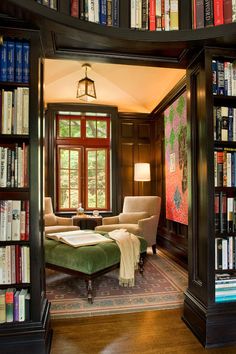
point(83, 144)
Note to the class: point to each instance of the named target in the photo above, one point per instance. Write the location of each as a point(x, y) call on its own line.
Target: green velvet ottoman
point(87, 262)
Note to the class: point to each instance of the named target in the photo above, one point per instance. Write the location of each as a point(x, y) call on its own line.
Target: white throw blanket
point(129, 246)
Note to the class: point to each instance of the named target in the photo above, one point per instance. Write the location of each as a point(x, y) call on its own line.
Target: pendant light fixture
point(86, 87)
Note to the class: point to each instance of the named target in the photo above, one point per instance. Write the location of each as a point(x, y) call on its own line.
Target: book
point(18, 61)
point(9, 304)
point(3, 61)
point(25, 61)
point(198, 13)
point(218, 12)
point(2, 306)
point(78, 238)
point(10, 60)
point(174, 15)
point(152, 15)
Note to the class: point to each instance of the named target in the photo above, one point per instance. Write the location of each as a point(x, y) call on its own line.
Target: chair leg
point(154, 249)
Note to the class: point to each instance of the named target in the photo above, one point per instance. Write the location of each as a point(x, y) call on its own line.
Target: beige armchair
point(55, 223)
point(140, 216)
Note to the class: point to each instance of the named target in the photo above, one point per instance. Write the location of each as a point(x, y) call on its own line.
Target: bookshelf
point(24, 309)
point(209, 306)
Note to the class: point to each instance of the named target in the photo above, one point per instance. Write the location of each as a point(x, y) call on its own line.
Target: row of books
point(225, 288)
point(224, 123)
point(14, 111)
point(14, 264)
point(225, 213)
point(14, 166)
point(52, 4)
point(225, 167)
point(224, 77)
point(154, 15)
point(14, 61)
point(14, 220)
point(14, 305)
point(104, 12)
point(225, 253)
point(207, 13)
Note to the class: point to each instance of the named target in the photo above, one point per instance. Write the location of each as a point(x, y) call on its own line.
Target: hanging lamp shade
point(86, 87)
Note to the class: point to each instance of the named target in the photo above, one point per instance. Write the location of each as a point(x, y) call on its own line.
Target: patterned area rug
point(161, 287)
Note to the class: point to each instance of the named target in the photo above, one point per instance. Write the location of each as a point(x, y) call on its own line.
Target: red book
point(152, 15)
point(218, 12)
point(26, 220)
point(227, 11)
point(74, 8)
point(18, 265)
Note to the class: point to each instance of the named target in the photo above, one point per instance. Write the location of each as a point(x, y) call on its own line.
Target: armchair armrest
point(148, 228)
point(64, 221)
point(109, 220)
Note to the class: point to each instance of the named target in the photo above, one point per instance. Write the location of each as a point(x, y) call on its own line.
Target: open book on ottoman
point(79, 238)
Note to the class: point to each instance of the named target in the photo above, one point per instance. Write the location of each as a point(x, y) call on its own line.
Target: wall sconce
point(142, 173)
point(86, 87)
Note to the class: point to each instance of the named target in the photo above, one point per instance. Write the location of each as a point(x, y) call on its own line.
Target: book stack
point(14, 220)
point(207, 13)
point(225, 253)
point(224, 123)
point(224, 77)
point(154, 15)
point(225, 213)
point(14, 63)
point(225, 288)
point(52, 4)
point(14, 115)
point(14, 166)
point(225, 167)
point(103, 12)
point(14, 305)
point(14, 264)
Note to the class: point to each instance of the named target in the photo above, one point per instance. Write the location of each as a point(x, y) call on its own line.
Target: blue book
point(214, 77)
point(3, 61)
point(10, 60)
point(220, 78)
point(18, 61)
point(115, 13)
point(103, 12)
point(230, 120)
point(25, 62)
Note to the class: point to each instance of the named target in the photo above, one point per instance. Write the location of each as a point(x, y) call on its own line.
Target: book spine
point(74, 8)
point(53, 4)
point(115, 13)
point(199, 10)
point(217, 213)
point(152, 15)
point(218, 12)
point(18, 61)
point(132, 14)
point(10, 61)
point(25, 62)
point(103, 12)
point(227, 11)
point(158, 16)
point(109, 12)
point(3, 57)
point(220, 78)
point(144, 14)
point(9, 304)
point(214, 77)
point(174, 15)
point(208, 12)
point(167, 15)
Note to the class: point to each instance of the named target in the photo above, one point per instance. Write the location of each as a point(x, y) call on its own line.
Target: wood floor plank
point(151, 332)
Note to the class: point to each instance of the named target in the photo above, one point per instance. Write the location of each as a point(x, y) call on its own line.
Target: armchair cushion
point(132, 218)
point(50, 219)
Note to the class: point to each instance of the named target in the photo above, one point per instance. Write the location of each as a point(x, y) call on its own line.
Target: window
point(83, 161)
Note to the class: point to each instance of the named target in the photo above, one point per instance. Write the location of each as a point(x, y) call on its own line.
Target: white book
point(3, 167)
point(1, 264)
point(9, 112)
point(96, 11)
point(224, 254)
point(22, 296)
point(4, 112)
point(25, 254)
point(233, 10)
point(79, 238)
point(16, 208)
point(25, 110)
point(132, 13)
point(91, 11)
point(158, 15)
point(174, 15)
point(234, 124)
point(8, 264)
point(19, 167)
point(230, 252)
point(3, 218)
point(228, 166)
point(226, 76)
point(9, 219)
point(167, 15)
point(138, 14)
point(19, 118)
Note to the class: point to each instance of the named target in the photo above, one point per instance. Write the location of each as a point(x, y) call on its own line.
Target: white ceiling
point(130, 88)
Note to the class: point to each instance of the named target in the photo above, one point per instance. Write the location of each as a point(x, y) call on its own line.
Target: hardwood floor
point(151, 332)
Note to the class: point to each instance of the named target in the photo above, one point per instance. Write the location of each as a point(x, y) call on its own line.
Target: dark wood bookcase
point(63, 36)
point(34, 334)
point(214, 323)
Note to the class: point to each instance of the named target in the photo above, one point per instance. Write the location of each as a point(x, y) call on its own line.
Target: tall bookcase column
point(33, 333)
point(214, 323)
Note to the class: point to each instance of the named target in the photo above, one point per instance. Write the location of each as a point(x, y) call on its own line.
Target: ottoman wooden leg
point(90, 291)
